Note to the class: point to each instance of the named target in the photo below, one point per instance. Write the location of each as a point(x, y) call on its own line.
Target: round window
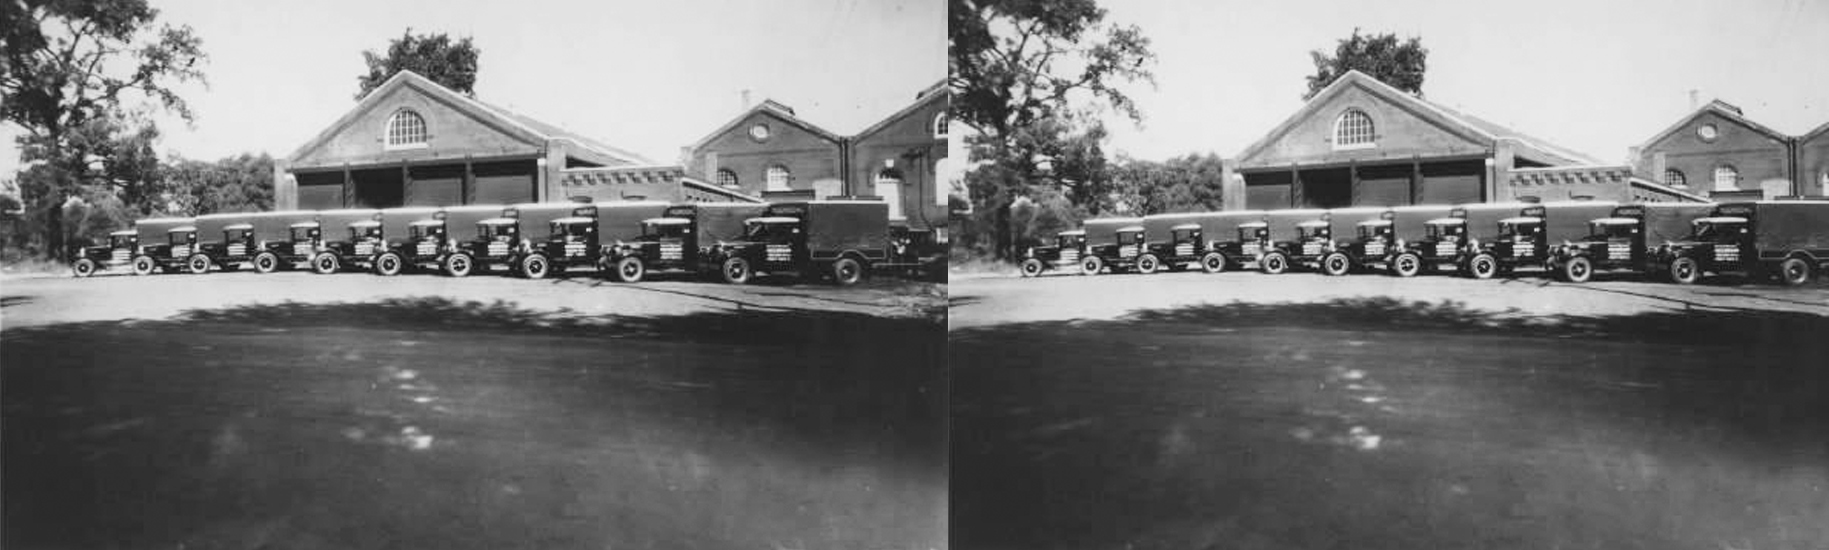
point(759, 132)
point(1707, 132)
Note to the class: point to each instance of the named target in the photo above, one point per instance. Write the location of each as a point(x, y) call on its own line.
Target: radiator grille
point(301, 249)
point(1444, 249)
point(1184, 249)
point(121, 255)
point(1374, 249)
point(1253, 249)
point(365, 249)
point(498, 248)
point(180, 251)
point(238, 249)
point(1071, 255)
point(427, 249)
point(1127, 251)
point(1619, 251)
point(1727, 253)
point(780, 253)
point(1521, 250)
point(1311, 249)
point(672, 251)
point(574, 249)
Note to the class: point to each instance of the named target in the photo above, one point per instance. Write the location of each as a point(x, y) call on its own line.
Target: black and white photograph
point(479, 275)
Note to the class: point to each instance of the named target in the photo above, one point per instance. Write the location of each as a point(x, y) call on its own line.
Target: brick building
point(769, 151)
point(413, 142)
point(1718, 151)
point(1361, 142)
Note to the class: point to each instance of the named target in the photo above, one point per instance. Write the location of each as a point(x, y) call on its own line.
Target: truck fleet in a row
point(839, 240)
point(1785, 239)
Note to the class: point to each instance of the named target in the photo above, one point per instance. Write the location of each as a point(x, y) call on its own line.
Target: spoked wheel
point(1032, 267)
point(1794, 271)
point(847, 271)
point(459, 265)
point(389, 264)
point(1685, 271)
point(1092, 265)
point(631, 269)
point(1147, 264)
point(83, 267)
point(735, 271)
point(1274, 263)
point(326, 263)
point(1482, 266)
point(1336, 264)
point(1406, 265)
point(1577, 269)
point(535, 266)
point(1213, 262)
point(266, 262)
point(198, 264)
point(143, 265)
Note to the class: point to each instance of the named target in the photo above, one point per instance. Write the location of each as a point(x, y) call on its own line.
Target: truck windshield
point(1368, 232)
point(1252, 233)
point(572, 232)
point(426, 231)
point(1068, 241)
point(121, 241)
point(772, 232)
point(237, 235)
point(666, 230)
point(302, 234)
point(1519, 229)
point(182, 238)
point(1133, 237)
point(1312, 232)
point(1445, 232)
point(360, 233)
point(1608, 231)
point(503, 232)
point(1185, 236)
point(1710, 231)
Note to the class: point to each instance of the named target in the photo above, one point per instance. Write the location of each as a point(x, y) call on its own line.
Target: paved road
point(352, 411)
point(1247, 411)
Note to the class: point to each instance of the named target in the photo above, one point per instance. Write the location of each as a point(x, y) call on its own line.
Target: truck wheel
point(198, 264)
point(143, 265)
point(1092, 265)
point(266, 262)
point(1482, 266)
point(847, 271)
point(1406, 264)
point(1032, 267)
point(1794, 271)
point(630, 269)
point(1213, 262)
point(1336, 264)
point(535, 266)
point(1274, 263)
point(459, 265)
point(1147, 264)
point(1577, 269)
point(735, 271)
point(389, 264)
point(1685, 271)
point(83, 267)
point(325, 263)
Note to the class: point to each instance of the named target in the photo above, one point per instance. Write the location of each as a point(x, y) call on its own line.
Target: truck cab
point(1625, 240)
point(843, 239)
point(237, 246)
point(1443, 244)
point(1119, 254)
point(119, 252)
point(154, 245)
point(1372, 243)
point(1251, 243)
point(1064, 253)
point(498, 242)
point(1520, 242)
point(1182, 245)
point(1784, 238)
point(680, 239)
point(426, 243)
point(1314, 241)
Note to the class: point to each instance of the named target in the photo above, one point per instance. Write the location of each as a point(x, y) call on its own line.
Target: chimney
point(745, 105)
point(1694, 97)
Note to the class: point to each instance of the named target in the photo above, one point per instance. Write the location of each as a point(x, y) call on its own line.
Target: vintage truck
point(500, 241)
point(1347, 227)
point(119, 252)
point(433, 240)
point(1448, 242)
point(1786, 238)
point(1113, 243)
point(580, 240)
point(1063, 254)
point(337, 239)
point(1625, 239)
point(1379, 239)
point(1524, 240)
point(164, 244)
point(1178, 241)
point(1240, 237)
point(840, 239)
point(1295, 238)
point(385, 243)
point(680, 239)
point(226, 241)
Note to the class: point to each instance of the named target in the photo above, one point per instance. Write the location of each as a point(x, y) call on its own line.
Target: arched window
point(889, 187)
point(406, 129)
point(777, 177)
point(1353, 130)
point(1726, 178)
point(1674, 178)
point(942, 123)
point(727, 178)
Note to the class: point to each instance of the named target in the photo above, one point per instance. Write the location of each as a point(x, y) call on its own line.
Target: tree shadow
point(9, 301)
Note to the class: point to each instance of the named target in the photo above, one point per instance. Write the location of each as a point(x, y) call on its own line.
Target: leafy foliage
point(241, 183)
point(1189, 183)
point(1382, 56)
point(451, 63)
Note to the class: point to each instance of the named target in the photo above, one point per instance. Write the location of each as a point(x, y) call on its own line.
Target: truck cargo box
point(1568, 221)
point(334, 224)
point(1782, 227)
point(836, 226)
point(268, 226)
point(621, 220)
point(536, 216)
point(1214, 226)
point(460, 221)
point(1668, 221)
point(1483, 218)
point(1102, 231)
point(394, 222)
point(1410, 222)
point(717, 221)
point(153, 230)
point(1344, 222)
point(1283, 223)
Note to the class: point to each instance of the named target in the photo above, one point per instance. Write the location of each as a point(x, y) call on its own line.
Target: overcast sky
point(648, 76)
point(1597, 76)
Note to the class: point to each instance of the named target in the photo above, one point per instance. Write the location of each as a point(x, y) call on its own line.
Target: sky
point(647, 76)
point(1597, 76)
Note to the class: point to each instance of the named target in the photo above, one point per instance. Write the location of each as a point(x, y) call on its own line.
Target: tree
point(1190, 183)
point(71, 70)
point(1028, 78)
point(434, 56)
point(1382, 56)
point(241, 183)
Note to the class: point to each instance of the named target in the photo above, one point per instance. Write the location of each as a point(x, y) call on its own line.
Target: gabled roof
point(1722, 109)
point(936, 92)
point(508, 122)
point(775, 109)
point(1813, 134)
point(1461, 124)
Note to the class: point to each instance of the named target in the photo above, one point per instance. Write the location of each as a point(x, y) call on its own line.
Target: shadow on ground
point(434, 423)
point(1385, 423)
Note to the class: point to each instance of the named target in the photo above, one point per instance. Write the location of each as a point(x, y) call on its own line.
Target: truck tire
point(459, 264)
point(143, 265)
point(1406, 264)
point(1577, 269)
point(535, 266)
point(266, 262)
point(1685, 271)
point(1336, 264)
point(847, 271)
point(389, 264)
point(1213, 262)
point(1032, 267)
point(325, 263)
point(735, 271)
point(83, 267)
point(1274, 263)
point(1482, 266)
point(630, 269)
point(1092, 265)
point(198, 264)
point(1794, 271)
point(1148, 264)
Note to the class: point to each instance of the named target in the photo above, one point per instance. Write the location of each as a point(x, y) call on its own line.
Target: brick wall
point(1757, 157)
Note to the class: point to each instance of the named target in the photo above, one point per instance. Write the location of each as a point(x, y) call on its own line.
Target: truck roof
point(498, 221)
point(1312, 224)
point(667, 221)
point(123, 233)
point(426, 223)
point(1446, 221)
point(182, 228)
point(1370, 223)
point(1130, 228)
point(304, 225)
point(238, 227)
point(364, 223)
point(1615, 221)
point(572, 220)
point(1072, 232)
point(1185, 227)
point(773, 219)
point(1721, 219)
point(1254, 224)
point(1521, 219)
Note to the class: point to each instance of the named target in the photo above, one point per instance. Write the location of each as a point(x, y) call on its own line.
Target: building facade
point(769, 151)
point(413, 142)
point(1718, 152)
point(1812, 165)
point(1361, 142)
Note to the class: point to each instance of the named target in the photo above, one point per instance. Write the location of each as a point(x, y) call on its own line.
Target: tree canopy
point(451, 63)
point(1400, 63)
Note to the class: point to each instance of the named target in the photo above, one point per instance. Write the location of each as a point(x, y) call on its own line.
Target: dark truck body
point(1297, 238)
point(432, 240)
point(503, 241)
point(1239, 236)
point(332, 246)
point(1788, 238)
point(681, 238)
point(1113, 243)
point(580, 239)
point(846, 238)
point(1338, 256)
point(165, 244)
point(1625, 239)
point(1063, 254)
point(1448, 242)
point(1526, 240)
point(119, 252)
point(229, 240)
point(1183, 239)
point(1375, 242)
